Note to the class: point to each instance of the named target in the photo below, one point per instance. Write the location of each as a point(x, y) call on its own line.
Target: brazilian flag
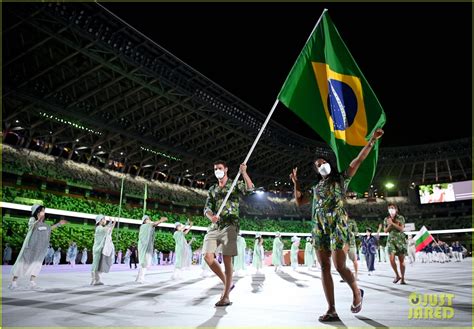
point(328, 91)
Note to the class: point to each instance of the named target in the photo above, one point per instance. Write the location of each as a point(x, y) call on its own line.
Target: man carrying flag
point(225, 225)
point(327, 90)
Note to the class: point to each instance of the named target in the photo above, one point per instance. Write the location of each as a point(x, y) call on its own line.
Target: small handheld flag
point(422, 239)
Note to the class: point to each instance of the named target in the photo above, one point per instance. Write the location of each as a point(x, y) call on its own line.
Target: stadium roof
point(78, 77)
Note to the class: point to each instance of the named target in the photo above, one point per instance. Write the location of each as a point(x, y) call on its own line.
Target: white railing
point(82, 215)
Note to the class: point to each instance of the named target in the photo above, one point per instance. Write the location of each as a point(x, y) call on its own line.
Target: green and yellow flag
point(328, 91)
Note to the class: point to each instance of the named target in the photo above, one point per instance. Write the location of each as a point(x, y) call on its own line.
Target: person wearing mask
point(7, 254)
point(225, 227)
point(295, 244)
point(126, 258)
point(119, 257)
point(84, 256)
point(103, 250)
point(180, 248)
point(133, 255)
point(34, 248)
point(369, 249)
point(146, 242)
point(71, 254)
point(239, 260)
point(411, 248)
point(57, 256)
point(258, 253)
point(277, 252)
point(309, 253)
point(330, 227)
point(394, 225)
point(48, 260)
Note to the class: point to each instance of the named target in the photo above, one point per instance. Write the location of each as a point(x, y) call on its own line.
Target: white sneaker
point(98, 283)
point(33, 285)
point(13, 285)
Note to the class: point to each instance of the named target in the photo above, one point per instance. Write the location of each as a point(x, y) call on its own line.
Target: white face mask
point(219, 173)
point(325, 169)
point(392, 211)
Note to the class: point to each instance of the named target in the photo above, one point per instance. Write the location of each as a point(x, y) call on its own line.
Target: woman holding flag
point(330, 231)
point(394, 225)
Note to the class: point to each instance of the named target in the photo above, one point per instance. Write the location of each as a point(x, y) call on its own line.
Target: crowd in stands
point(275, 208)
point(20, 160)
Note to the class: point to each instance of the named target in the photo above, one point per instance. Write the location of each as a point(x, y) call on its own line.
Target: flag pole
point(263, 127)
point(248, 156)
point(314, 29)
point(145, 195)
point(120, 207)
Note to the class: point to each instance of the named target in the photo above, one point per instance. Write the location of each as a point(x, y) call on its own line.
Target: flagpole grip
point(262, 128)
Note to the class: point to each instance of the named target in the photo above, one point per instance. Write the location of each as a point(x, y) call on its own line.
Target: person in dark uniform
point(369, 249)
point(133, 255)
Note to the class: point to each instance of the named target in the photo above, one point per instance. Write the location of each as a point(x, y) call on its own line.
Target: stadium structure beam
point(449, 171)
point(462, 168)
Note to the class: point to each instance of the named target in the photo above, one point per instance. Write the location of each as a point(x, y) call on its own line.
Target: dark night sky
point(416, 57)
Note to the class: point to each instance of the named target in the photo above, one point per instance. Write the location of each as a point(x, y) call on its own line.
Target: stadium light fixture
point(389, 185)
point(70, 123)
point(160, 153)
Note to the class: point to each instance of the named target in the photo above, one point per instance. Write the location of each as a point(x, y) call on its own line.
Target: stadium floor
point(291, 299)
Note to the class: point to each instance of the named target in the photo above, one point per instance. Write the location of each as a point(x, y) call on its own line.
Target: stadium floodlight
point(389, 185)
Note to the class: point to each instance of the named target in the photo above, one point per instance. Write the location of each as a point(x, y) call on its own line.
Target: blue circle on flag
point(342, 104)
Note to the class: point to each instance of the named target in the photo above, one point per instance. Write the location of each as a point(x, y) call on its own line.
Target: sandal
point(396, 280)
point(329, 317)
point(358, 307)
point(223, 303)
